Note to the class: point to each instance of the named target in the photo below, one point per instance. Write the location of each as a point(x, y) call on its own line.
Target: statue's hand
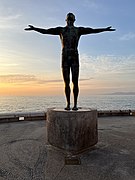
point(30, 28)
point(109, 29)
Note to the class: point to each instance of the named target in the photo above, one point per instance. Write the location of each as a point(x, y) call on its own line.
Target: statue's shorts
point(70, 60)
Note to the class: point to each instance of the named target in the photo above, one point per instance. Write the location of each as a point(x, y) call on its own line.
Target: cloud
point(16, 78)
point(86, 79)
point(8, 18)
point(128, 36)
point(10, 22)
point(8, 64)
point(95, 65)
point(40, 81)
point(91, 4)
point(26, 79)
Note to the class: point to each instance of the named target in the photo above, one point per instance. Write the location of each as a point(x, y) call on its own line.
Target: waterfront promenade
point(25, 154)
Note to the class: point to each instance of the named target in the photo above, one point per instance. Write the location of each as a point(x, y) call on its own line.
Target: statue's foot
point(68, 108)
point(75, 108)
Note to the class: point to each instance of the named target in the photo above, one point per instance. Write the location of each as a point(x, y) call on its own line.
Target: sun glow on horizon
point(86, 87)
point(30, 90)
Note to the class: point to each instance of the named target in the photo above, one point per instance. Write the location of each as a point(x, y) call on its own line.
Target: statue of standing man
point(70, 36)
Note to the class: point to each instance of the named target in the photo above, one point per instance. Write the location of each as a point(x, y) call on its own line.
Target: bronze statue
point(70, 36)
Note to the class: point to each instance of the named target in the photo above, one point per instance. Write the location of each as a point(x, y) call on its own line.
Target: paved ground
point(22, 150)
point(25, 155)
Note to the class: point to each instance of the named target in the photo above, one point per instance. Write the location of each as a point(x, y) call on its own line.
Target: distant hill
point(122, 93)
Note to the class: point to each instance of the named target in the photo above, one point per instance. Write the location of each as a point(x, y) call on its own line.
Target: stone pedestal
point(73, 131)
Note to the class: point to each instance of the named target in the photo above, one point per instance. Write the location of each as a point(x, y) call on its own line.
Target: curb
point(36, 116)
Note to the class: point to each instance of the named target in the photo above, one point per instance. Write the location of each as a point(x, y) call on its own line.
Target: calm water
point(41, 103)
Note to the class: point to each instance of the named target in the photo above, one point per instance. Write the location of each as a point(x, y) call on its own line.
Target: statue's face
point(70, 17)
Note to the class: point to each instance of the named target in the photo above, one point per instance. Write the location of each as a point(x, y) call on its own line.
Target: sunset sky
point(30, 63)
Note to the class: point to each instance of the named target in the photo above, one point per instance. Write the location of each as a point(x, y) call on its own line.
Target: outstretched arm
point(53, 31)
point(84, 31)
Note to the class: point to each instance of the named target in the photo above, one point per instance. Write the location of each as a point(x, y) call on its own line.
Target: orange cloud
point(30, 90)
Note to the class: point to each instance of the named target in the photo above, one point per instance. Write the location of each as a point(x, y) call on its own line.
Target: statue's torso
point(69, 38)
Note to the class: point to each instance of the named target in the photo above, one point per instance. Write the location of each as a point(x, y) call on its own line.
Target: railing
point(33, 116)
point(27, 116)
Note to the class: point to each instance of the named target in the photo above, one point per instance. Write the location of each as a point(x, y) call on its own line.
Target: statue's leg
point(66, 77)
point(75, 75)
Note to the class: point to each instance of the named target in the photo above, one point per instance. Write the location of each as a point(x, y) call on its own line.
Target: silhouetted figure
point(70, 36)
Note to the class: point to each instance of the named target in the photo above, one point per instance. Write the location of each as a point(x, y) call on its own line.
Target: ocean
point(12, 104)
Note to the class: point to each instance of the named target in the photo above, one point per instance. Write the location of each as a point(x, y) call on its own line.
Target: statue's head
point(70, 17)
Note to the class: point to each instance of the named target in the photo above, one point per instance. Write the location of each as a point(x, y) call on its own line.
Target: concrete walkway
point(25, 154)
